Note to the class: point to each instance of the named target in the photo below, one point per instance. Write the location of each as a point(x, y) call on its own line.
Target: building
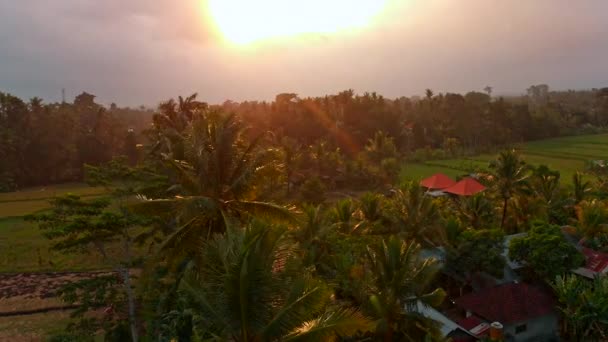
point(596, 264)
point(525, 312)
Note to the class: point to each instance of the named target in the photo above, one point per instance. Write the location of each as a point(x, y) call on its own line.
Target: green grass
point(32, 200)
point(23, 248)
point(567, 155)
point(48, 192)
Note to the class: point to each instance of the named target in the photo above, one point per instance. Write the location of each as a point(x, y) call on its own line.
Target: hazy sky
point(143, 51)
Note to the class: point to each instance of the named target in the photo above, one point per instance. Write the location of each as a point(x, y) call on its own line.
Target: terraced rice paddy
point(567, 155)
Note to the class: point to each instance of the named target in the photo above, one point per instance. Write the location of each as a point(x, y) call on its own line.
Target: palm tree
point(592, 219)
point(311, 233)
point(343, 215)
point(401, 283)
point(370, 213)
point(171, 122)
point(249, 288)
point(416, 216)
point(291, 154)
point(214, 183)
point(510, 175)
point(584, 308)
point(477, 211)
point(581, 187)
point(380, 147)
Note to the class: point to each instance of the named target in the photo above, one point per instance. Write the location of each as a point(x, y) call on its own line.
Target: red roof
point(438, 181)
point(466, 187)
point(475, 325)
point(508, 303)
point(595, 261)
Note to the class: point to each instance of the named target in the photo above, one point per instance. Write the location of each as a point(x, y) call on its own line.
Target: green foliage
point(478, 251)
point(381, 147)
point(401, 282)
point(592, 217)
point(476, 211)
point(545, 251)
point(213, 186)
point(415, 215)
point(313, 191)
point(584, 308)
point(510, 174)
point(248, 288)
point(390, 167)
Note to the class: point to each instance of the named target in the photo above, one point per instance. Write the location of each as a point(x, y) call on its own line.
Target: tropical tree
point(592, 217)
point(583, 307)
point(370, 213)
point(546, 251)
point(343, 215)
point(380, 147)
point(400, 288)
point(248, 287)
point(476, 252)
point(581, 187)
point(311, 234)
point(214, 185)
point(510, 174)
point(172, 121)
point(416, 216)
point(476, 211)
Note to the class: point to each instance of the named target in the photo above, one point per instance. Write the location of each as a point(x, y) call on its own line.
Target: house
point(596, 264)
point(449, 328)
point(525, 312)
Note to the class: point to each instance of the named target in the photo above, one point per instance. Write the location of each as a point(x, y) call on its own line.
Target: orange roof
point(438, 181)
point(466, 187)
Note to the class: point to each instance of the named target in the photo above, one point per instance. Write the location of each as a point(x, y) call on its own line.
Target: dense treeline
point(223, 256)
point(49, 143)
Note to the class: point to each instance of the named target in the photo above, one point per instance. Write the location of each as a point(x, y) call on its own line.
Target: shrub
point(313, 191)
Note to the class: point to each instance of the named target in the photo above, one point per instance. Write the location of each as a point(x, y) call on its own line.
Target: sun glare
point(247, 21)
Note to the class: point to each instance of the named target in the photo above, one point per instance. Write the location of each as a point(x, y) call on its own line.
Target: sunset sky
point(143, 51)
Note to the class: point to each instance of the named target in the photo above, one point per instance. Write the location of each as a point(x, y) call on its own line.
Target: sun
point(247, 21)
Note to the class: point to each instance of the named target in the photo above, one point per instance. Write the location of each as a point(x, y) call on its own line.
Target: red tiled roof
point(470, 322)
point(437, 181)
point(475, 325)
point(508, 303)
point(595, 261)
point(466, 187)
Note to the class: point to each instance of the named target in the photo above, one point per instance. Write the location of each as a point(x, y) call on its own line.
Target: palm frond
point(331, 325)
point(263, 210)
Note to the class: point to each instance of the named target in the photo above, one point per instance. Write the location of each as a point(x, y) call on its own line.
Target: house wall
point(541, 329)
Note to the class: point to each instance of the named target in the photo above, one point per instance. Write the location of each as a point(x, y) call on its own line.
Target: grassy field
point(567, 155)
point(22, 246)
point(31, 200)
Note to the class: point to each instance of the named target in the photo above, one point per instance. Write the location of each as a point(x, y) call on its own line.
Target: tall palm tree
point(416, 216)
point(510, 175)
point(401, 284)
point(171, 122)
point(213, 185)
point(249, 288)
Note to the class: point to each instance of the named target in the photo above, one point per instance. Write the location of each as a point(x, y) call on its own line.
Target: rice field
point(567, 155)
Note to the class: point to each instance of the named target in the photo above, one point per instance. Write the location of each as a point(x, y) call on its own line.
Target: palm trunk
point(130, 299)
point(504, 212)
